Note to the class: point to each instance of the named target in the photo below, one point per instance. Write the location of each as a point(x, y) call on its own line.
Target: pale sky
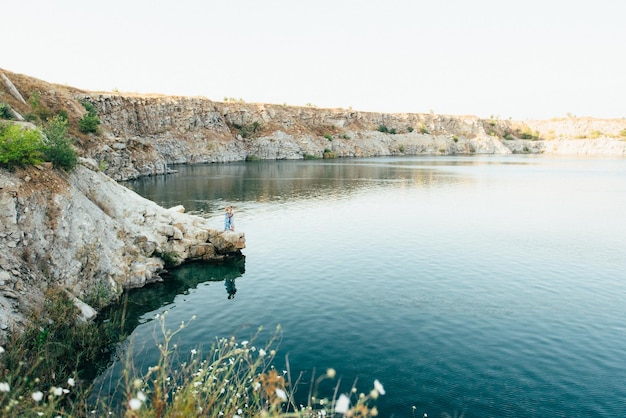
point(520, 59)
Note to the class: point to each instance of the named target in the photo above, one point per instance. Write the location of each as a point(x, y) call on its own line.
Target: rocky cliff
point(86, 233)
point(144, 134)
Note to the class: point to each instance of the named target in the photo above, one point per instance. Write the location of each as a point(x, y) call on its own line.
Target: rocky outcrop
point(88, 234)
point(146, 134)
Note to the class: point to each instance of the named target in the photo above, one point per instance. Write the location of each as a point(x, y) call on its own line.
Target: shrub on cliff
point(58, 147)
point(5, 111)
point(89, 122)
point(19, 147)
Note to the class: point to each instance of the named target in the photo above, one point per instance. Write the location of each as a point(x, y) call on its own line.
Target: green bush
point(19, 147)
point(58, 147)
point(250, 130)
point(89, 122)
point(383, 129)
point(63, 114)
point(410, 129)
point(5, 111)
point(328, 136)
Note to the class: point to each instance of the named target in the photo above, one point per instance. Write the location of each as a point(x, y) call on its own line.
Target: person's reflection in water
point(230, 288)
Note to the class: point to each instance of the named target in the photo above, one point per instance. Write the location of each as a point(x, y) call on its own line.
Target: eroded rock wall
point(88, 234)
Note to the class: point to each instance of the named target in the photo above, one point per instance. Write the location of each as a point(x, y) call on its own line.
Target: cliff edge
point(86, 233)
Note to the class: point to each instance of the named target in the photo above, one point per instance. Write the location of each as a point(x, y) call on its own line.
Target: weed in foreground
point(234, 379)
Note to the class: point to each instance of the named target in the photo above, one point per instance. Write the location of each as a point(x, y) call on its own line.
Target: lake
point(483, 286)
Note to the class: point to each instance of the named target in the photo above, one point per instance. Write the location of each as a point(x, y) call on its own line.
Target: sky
point(514, 59)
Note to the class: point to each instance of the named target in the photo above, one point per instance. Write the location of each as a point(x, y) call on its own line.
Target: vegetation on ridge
point(21, 146)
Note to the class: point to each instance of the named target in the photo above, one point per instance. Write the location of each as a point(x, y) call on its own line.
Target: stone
point(4, 277)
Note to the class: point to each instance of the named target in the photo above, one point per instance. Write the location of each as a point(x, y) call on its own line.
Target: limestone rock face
point(146, 134)
point(86, 233)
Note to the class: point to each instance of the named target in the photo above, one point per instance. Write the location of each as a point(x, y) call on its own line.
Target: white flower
point(134, 404)
point(281, 394)
point(40, 414)
point(245, 343)
point(141, 396)
point(37, 396)
point(256, 386)
point(194, 351)
point(240, 411)
point(196, 384)
point(57, 391)
point(71, 382)
point(343, 404)
point(330, 373)
point(66, 391)
point(1, 349)
point(379, 387)
point(4, 387)
point(262, 352)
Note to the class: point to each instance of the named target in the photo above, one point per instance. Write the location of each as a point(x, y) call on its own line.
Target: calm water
point(483, 286)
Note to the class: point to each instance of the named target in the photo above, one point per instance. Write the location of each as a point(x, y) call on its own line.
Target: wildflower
point(281, 394)
point(273, 353)
point(4, 387)
point(256, 386)
point(141, 396)
point(374, 411)
point(37, 396)
point(194, 351)
point(193, 317)
point(374, 394)
point(330, 373)
point(196, 384)
point(379, 387)
point(240, 411)
point(1, 349)
point(71, 382)
point(40, 414)
point(57, 391)
point(245, 343)
point(343, 404)
point(66, 391)
point(262, 352)
point(134, 404)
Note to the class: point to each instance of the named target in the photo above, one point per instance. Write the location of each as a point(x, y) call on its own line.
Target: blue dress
point(228, 222)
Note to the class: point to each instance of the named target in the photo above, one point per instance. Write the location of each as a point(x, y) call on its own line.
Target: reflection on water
point(203, 188)
point(485, 286)
point(137, 302)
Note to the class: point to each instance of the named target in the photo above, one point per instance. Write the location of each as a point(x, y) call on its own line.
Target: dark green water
point(483, 286)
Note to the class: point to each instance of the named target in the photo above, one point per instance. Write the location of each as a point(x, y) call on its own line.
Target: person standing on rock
point(229, 222)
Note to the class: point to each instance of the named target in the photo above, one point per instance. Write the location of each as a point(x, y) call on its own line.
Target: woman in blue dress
point(229, 222)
